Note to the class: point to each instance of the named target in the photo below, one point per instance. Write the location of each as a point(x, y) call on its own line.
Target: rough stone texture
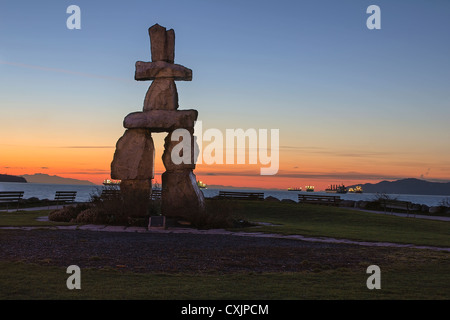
point(161, 69)
point(170, 45)
point(133, 161)
point(185, 145)
point(181, 196)
point(161, 120)
point(136, 196)
point(162, 95)
point(162, 43)
point(134, 157)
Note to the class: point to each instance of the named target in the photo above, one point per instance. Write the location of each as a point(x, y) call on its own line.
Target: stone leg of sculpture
point(181, 196)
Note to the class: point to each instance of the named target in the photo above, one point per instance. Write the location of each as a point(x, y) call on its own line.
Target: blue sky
point(310, 68)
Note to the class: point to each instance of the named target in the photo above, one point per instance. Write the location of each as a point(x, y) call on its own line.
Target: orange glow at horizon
point(296, 168)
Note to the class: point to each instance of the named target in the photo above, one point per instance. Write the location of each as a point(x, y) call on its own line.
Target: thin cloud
point(339, 153)
point(86, 147)
point(59, 147)
point(307, 175)
point(88, 172)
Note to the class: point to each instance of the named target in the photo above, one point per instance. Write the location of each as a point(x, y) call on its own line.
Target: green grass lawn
point(412, 274)
point(308, 220)
point(26, 218)
point(28, 281)
point(314, 220)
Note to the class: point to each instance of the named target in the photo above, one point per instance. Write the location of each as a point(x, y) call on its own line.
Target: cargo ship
point(309, 188)
point(109, 182)
point(201, 185)
point(336, 189)
point(357, 189)
point(295, 189)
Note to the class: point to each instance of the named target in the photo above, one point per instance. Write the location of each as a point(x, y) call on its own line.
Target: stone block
point(162, 95)
point(161, 120)
point(187, 160)
point(181, 196)
point(161, 70)
point(134, 156)
point(162, 43)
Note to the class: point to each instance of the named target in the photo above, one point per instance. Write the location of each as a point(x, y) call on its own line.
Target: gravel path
point(173, 252)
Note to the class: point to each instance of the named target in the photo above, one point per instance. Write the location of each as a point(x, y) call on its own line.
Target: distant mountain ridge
point(407, 186)
point(45, 178)
point(9, 178)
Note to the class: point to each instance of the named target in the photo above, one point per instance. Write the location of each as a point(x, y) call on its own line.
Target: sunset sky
point(352, 105)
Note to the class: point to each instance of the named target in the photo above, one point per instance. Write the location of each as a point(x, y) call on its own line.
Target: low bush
point(219, 214)
point(68, 213)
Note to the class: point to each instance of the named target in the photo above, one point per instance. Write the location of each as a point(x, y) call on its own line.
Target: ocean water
point(47, 191)
point(84, 193)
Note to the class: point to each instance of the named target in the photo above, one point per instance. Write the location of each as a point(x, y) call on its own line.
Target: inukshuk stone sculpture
point(133, 161)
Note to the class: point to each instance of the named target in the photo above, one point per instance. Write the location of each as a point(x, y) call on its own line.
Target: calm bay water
point(47, 191)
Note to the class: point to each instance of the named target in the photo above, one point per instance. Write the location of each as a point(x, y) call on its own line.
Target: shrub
point(380, 199)
point(90, 215)
point(218, 214)
point(68, 213)
point(445, 202)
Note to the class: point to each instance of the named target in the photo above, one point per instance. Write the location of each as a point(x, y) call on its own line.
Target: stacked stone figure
point(133, 161)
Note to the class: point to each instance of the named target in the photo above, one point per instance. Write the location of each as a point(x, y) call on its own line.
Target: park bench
point(109, 194)
point(397, 204)
point(234, 195)
point(64, 197)
point(319, 199)
point(156, 194)
point(10, 197)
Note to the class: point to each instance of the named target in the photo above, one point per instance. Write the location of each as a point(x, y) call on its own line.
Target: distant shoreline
point(9, 178)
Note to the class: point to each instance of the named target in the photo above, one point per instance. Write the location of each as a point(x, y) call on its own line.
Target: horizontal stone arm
point(161, 120)
point(161, 69)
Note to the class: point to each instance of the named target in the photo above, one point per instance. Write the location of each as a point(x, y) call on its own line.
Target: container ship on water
point(357, 189)
point(336, 189)
point(201, 185)
point(109, 182)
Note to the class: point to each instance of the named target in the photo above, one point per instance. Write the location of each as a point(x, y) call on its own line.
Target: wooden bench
point(234, 195)
point(156, 194)
point(110, 194)
point(318, 199)
point(397, 204)
point(9, 197)
point(65, 197)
